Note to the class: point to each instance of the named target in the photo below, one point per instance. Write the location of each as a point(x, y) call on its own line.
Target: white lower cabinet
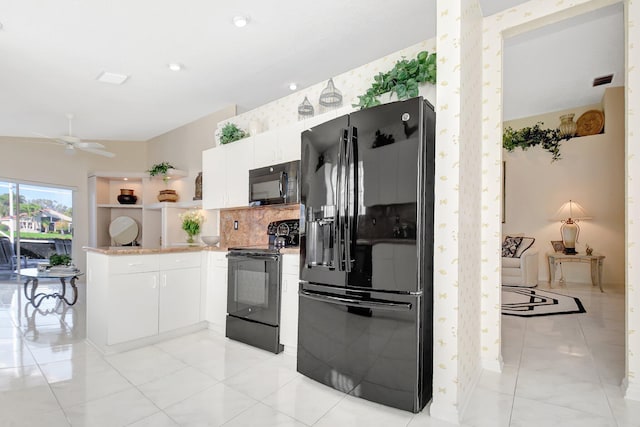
point(132, 307)
point(216, 312)
point(179, 303)
point(289, 302)
point(136, 297)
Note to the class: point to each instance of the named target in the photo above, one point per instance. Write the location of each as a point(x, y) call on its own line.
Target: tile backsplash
point(252, 223)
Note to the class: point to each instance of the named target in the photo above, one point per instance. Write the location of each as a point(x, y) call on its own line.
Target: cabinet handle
point(133, 264)
point(164, 280)
point(155, 282)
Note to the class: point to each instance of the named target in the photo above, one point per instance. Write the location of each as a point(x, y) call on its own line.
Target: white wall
point(457, 262)
point(182, 147)
point(352, 84)
point(590, 172)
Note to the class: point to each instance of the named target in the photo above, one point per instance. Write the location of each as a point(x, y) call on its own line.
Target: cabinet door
point(132, 307)
point(179, 298)
point(289, 142)
point(289, 302)
point(265, 149)
point(239, 159)
point(217, 289)
point(213, 178)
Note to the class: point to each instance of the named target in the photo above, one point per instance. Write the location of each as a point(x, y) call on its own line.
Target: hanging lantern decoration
point(305, 110)
point(330, 97)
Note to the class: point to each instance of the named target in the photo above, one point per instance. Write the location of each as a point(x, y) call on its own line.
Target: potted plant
point(163, 168)
point(231, 132)
point(191, 222)
point(59, 259)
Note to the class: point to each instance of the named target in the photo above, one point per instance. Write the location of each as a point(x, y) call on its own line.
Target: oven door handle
point(282, 184)
point(258, 257)
point(379, 305)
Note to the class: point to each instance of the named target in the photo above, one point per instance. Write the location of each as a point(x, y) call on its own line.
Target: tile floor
point(559, 371)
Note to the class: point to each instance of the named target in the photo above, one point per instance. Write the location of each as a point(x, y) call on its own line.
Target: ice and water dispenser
point(321, 227)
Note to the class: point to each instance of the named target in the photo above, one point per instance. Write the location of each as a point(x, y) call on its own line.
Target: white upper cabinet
point(277, 146)
point(239, 159)
point(225, 174)
point(214, 178)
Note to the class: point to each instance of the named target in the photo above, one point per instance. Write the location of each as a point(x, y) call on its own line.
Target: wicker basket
point(168, 196)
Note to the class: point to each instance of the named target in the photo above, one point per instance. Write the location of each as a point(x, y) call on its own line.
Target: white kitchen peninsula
point(138, 296)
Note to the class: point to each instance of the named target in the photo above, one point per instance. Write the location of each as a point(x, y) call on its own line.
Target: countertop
point(139, 250)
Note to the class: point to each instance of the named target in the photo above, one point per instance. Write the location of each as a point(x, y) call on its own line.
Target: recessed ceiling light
point(293, 86)
point(240, 21)
point(112, 78)
point(174, 66)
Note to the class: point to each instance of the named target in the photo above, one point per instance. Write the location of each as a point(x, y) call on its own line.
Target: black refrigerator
point(365, 323)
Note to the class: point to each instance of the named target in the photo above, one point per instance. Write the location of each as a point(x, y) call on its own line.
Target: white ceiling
point(53, 51)
point(552, 68)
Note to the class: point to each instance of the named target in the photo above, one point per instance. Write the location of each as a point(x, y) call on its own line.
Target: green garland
point(231, 132)
point(524, 138)
point(403, 79)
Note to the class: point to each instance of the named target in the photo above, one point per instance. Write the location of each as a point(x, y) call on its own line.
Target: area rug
point(526, 302)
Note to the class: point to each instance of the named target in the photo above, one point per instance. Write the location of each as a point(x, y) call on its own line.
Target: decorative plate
point(590, 123)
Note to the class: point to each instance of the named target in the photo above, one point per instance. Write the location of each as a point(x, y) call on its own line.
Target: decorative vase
point(191, 238)
point(168, 196)
point(567, 126)
point(127, 197)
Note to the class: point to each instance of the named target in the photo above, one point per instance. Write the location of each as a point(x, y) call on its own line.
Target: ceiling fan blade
point(42, 135)
point(98, 151)
point(84, 144)
point(70, 139)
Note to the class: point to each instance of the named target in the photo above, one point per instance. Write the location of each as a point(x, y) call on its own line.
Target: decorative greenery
point(161, 169)
point(524, 138)
point(59, 259)
point(191, 222)
point(231, 132)
point(403, 79)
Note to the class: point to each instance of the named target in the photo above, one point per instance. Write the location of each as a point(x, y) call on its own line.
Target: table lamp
point(570, 214)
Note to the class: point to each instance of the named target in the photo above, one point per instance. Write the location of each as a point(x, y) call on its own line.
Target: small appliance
point(274, 185)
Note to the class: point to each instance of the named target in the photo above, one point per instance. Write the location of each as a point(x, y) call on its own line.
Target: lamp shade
point(571, 210)
point(570, 213)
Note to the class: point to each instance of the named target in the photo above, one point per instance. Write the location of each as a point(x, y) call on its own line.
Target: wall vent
point(602, 80)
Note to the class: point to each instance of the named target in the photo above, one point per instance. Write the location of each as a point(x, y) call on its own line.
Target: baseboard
point(631, 391)
point(448, 413)
point(463, 401)
point(493, 364)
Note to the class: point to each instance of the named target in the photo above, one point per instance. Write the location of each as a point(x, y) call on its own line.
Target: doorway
point(36, 221)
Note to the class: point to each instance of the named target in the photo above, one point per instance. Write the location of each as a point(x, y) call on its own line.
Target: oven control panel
point(284, 233)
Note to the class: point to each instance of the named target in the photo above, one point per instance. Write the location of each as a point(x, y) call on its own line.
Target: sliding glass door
point(36, 221)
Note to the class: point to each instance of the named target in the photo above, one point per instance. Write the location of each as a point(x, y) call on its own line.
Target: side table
point(33, 276)
point(595, 261)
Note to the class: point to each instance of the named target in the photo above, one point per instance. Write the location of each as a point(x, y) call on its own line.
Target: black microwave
point(274, 185)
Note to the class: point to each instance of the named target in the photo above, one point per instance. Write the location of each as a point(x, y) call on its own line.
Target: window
point(35, 222)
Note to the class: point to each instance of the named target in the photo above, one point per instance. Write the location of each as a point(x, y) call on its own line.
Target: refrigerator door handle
point(348, 223)
point(339, 232)
point(332, 299)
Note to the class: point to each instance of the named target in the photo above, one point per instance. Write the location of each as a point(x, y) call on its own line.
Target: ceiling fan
point(71, 143)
